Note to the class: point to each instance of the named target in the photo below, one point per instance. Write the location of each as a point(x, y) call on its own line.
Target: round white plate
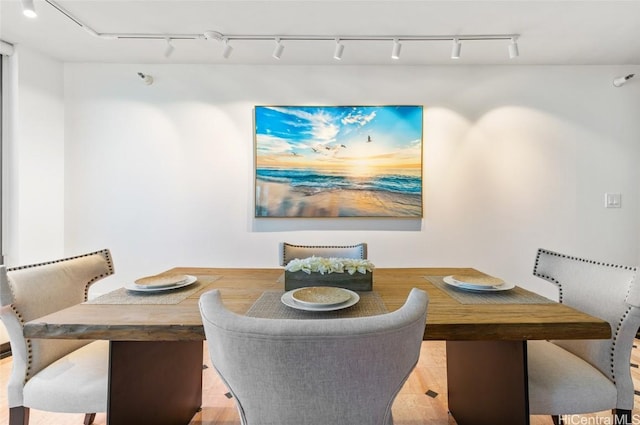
point(288, 300)
point(449, 280)
point(320, 296)
point(160, 281)
point(134, 287)
point(476, 285)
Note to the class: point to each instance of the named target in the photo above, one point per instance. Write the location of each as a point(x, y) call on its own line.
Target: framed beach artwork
point(338, 161)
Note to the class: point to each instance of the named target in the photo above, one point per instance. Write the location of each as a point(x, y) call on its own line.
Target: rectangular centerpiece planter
point(355, 282)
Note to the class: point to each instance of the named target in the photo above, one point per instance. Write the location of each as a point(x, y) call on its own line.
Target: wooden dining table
point(156, 349)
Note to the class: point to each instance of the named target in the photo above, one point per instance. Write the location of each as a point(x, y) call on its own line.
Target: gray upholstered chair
point(57, 375)
point(289, 251)
point(584, 376)
point(314, 372)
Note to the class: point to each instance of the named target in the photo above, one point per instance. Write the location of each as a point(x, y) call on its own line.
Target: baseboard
point(5, 350)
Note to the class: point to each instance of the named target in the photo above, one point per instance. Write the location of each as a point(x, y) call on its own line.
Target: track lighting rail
point(260, 37)
point(279, 38)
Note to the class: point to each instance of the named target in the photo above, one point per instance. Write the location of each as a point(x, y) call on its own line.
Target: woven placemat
point(269, 306)
point(516, 295)
point(174, 296)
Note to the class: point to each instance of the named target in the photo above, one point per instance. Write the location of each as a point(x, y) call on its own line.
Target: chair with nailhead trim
point(56, 375)
point(289, 251)
point(584, 376)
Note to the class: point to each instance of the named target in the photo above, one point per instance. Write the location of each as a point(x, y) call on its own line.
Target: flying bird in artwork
point(328, 150)
point(369, 139)
point(335, 148)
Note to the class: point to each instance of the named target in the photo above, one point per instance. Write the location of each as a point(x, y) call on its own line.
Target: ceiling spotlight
point(395, 52)
point(148, 79)
point(28, 9)
point(169, 50)
point(337, 53)
point(226, 52)
point(621, 81)
point(513, 48)
point(277, 52)
point(455, 49)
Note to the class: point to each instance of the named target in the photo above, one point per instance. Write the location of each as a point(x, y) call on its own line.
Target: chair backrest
point(609, 292)
point(289, 251)
point(29, 292)
point(315, 372)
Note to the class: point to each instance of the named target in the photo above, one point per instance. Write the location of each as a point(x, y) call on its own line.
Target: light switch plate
point(613, 200)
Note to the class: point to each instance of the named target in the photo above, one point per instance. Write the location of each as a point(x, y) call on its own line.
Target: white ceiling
point(551, 32)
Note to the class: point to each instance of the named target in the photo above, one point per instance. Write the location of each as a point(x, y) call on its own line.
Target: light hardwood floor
point(412, 406)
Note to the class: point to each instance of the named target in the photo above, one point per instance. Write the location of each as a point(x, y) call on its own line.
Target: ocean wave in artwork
point(318, 180)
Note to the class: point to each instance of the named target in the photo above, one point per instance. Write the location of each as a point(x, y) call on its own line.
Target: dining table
point(156, 340)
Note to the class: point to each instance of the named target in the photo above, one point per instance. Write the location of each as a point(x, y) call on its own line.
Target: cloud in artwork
point(320, 126)
point(268, 145)
point(358, 118)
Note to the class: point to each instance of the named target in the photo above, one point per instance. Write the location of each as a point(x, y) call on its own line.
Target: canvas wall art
point(338, 161)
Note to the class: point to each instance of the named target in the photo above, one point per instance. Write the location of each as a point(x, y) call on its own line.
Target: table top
point(447, 319)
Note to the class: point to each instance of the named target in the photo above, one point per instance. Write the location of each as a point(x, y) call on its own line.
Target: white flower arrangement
point(328, 265)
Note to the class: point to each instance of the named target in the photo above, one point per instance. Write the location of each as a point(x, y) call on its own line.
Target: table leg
point(154, 382)
point(487, 382)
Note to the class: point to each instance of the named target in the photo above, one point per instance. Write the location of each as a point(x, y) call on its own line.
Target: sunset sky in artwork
point(353, 138)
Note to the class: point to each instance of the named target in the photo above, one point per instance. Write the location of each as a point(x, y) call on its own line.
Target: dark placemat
point(172, 296)
point(516, 295)
point(269, 306)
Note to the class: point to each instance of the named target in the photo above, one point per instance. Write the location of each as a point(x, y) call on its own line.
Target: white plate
point(160, 281)
point(134, 287)
point(449, 280)
point(288, 300)
point(476, 285)
point(320, 296)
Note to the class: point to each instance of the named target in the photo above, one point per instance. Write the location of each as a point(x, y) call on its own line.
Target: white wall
point(35, 166)
point(515, 158)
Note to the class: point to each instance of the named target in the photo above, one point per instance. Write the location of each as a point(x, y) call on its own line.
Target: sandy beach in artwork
point(281, 200)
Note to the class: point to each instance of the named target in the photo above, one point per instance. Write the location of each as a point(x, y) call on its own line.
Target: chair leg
point(622, 417)
point(19, 415)
point(89, 418)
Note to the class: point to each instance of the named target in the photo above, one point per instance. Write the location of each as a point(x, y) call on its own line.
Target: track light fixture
point(28, 9)
point(227, 48)
point(169, 50)
point(146, 78)
point(621, 81)
point(455, 49)
point(277, 52)
point(513, 48)
point(337, 53)
point(226, 51)
point(395, 51)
